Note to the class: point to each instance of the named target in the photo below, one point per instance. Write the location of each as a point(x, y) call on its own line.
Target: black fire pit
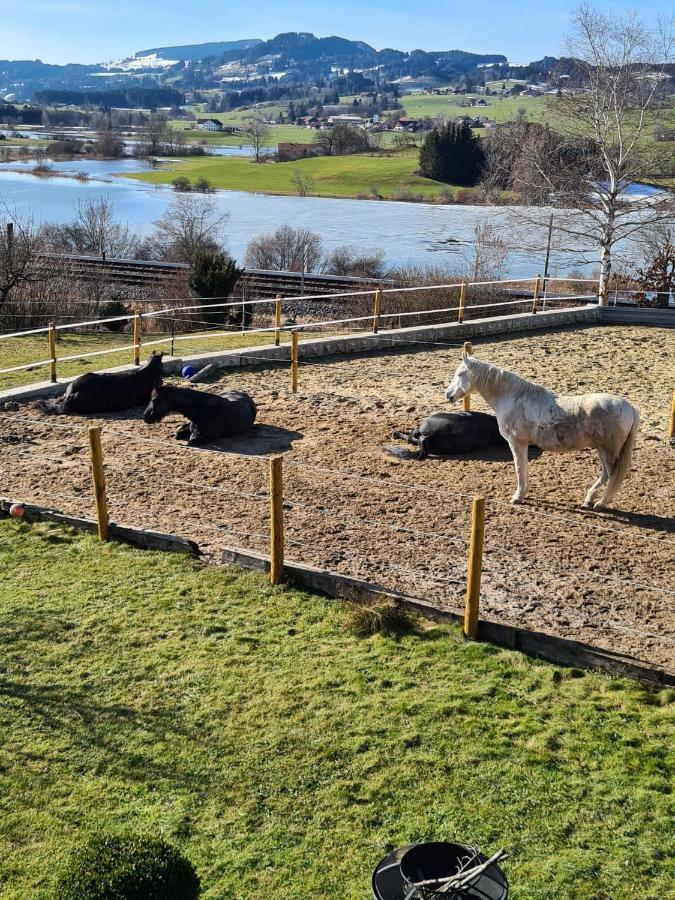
point(416, 872)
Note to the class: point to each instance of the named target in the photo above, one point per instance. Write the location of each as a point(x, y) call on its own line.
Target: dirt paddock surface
point(605, 578)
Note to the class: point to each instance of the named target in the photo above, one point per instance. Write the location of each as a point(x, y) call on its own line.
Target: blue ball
point(188, 371)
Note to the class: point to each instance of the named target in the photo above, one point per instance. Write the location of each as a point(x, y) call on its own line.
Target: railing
point(378, 318)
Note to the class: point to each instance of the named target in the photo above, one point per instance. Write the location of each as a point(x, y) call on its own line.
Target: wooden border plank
point(139, 537)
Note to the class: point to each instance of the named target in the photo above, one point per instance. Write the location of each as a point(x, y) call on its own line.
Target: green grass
point(332, 176)
point(285, 755)
point(17, 351)
point(501, 110)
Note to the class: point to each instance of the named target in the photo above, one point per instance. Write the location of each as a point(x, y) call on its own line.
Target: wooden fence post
point(462, 303)
point(276, 520)
point(377, 309)
point(468, 348)
point(535, 298)
point(294, 361)
point(51, 334)
point(137, 337)
point(671, 426)
point(277, 320)
point(475, 567)
point(98, 475)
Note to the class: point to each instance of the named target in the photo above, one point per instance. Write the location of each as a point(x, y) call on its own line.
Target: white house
point(209, 125)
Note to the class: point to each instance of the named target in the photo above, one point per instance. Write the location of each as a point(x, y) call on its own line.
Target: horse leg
point(196, 437)
point(602, 480)
point(183, 432)
point(422, 444)
point(519, 452)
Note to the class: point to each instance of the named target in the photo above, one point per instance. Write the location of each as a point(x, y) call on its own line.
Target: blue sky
point(90, 31)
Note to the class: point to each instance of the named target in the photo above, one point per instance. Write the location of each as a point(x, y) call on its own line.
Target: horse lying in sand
point(101, 392)
point(449, 434)
point(530, 414)
point(212, 416)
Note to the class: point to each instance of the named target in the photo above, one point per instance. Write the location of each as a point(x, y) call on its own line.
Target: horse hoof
point(599, 505)
point(587, 504)
point(515, 500)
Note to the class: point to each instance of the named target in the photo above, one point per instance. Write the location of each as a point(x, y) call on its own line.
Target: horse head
point(461, 382)
point(154, 366)
point(158, 407)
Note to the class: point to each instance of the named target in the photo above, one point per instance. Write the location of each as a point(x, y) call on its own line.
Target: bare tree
point(20, 244)
point(94, 230)
point(285, 250)
point(303, 183)
point(189, 226)
point(256, 135)
point(489, 254)
point(351, 260)
point(624, 70)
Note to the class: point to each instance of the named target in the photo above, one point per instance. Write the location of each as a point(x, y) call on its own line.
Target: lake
point(417, 233)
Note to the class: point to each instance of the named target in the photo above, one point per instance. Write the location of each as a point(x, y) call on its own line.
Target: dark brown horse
point(450, 434)
point(101, 392)
point(212, 416)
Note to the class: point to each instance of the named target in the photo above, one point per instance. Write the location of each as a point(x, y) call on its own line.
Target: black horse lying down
point(448, 434)
point(212, 416)
point(109, 391)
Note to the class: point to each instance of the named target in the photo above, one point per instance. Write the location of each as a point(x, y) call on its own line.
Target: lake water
point(418, 233)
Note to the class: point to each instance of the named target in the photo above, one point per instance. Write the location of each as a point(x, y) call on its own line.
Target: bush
point(203, 185)
point(181, 184)
point(110, 310)
point(127, 867)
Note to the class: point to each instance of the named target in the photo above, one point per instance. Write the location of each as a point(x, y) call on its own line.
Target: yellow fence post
point(535, 298)
point(462, 303)
point(468, 348)
point(137, 337)
point(98, 475)
point(377, 309)
point(294, 361)
point(671, 426)
point(277, 320)
point(475, 567)
point(51, 334)
point(276, 520)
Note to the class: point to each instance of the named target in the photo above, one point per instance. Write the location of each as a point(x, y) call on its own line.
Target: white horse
point(530, 414)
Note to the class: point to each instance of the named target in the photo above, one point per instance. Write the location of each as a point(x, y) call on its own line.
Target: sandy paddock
point(604, 578)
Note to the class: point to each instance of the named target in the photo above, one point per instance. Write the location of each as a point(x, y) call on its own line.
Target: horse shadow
point(261, 440)
point(649, 521)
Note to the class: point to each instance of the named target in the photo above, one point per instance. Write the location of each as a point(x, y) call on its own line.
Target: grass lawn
point(332, 176)
point(285, 755)
point(17, 351)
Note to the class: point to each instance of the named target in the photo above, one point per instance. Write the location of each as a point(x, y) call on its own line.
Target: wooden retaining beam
point(138, 537)
point(551, 648)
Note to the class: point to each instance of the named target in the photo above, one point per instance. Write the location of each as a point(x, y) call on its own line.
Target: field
point(285, 755)
point(17, 351)
point(603, 578)
point(500, 109)
point(390, 175)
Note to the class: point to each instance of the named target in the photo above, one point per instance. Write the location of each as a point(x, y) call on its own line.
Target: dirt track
point(604, 578)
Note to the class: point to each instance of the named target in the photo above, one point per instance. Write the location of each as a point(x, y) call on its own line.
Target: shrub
point(127, 867)
point(203, 185)
point(181, 184)
point(110, 310)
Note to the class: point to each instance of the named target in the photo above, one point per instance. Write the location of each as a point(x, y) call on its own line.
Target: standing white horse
point(530, 414)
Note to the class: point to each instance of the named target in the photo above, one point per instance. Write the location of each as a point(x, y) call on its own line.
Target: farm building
point(209, 125)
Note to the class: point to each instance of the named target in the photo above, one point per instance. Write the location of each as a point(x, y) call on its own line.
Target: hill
point(199, 51)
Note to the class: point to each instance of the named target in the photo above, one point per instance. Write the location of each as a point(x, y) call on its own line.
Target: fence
point(374, 321)
point(525, 567)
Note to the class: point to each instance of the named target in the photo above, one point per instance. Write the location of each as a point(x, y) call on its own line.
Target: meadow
point(285, 754)
point(391, 175)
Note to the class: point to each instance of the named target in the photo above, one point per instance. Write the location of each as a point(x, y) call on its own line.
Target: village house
point(209, 125)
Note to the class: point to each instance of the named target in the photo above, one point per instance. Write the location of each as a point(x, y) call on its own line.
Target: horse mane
point(497, 380)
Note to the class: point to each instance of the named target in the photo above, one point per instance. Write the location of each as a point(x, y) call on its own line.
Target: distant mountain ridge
point(199, 51)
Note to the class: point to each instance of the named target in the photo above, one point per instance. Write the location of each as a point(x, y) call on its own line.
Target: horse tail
point(52, 407)
point(401, 452)
point(623, 461)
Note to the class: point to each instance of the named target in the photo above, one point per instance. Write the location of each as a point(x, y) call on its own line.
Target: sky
point(89, 31)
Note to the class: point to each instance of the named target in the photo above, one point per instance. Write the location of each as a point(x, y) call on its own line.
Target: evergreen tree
point(212, 277)
point(453, 154)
